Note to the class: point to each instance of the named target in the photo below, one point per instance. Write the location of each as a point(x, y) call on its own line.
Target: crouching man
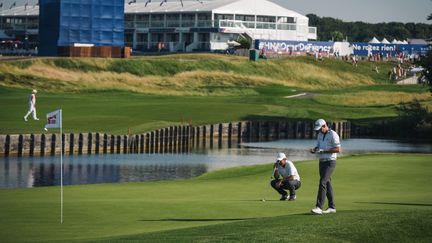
point(286, 178)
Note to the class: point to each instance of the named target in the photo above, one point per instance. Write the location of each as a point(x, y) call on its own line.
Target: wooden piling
point(142, 146)
point(152, 142)
point(112, 144)
point(147, 143)
point(118, 144)
point(7, 146)
point(97, 143)
point(32, 145)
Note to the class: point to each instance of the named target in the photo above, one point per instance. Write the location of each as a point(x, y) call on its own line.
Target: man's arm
point(289, 178)
point(332, 150)
point(275, 171)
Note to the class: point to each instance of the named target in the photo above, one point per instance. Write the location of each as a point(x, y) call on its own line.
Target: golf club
point(264, 194)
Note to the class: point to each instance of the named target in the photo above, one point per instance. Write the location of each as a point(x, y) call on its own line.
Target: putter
point(264, 194)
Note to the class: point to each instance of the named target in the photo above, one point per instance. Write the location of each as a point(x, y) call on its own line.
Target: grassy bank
point(116, 112)
point(154, 92)
point(198, 75)
point(373, 203)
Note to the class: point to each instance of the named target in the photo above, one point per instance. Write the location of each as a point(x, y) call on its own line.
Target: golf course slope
point(385, 198)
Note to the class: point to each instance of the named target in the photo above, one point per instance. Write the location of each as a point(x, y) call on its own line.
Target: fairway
point(378, 197)
point(144, 94)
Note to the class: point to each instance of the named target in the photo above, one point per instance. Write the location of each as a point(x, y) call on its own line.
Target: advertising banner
point(290, 47)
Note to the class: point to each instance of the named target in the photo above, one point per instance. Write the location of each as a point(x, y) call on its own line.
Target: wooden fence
point(175, 139)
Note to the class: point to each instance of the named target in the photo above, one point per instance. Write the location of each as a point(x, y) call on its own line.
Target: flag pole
point(61, 168)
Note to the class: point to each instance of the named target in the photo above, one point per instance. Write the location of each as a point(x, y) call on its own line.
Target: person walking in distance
point(328, 146)
point(32, 106)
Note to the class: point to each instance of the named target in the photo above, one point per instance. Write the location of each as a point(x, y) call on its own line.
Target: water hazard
point(117, 168)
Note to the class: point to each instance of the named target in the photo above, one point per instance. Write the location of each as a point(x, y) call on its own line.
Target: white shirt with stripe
point(327, 141)
point(288, 170)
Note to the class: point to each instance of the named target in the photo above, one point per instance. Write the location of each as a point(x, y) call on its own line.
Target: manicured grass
point(142, 94)
point(116, 111)
point(378, 198)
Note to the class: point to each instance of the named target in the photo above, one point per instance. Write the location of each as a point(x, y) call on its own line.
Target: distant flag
point(13, 5)
point(148, 1)
point(54, 119)
point(25, 6)
point(181, 1)
point(133, 1)
point(164, 1)
point(1, 5)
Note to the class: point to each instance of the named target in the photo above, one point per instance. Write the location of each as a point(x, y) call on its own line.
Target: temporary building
point(385, 41)
point(374, 41)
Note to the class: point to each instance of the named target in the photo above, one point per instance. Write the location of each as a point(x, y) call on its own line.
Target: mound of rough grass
point(190, 74)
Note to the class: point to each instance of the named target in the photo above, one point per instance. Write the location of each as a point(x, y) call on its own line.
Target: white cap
point(281, 156)
point(318, 124)
point(34, 91)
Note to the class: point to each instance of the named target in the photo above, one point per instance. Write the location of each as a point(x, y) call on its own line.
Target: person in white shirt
point(286, 178)
point(32, 106)
point(328, 145)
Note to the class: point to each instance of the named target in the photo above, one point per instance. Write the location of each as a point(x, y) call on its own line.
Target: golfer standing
point(290, 178)
point(32, 106)
point(328, 145)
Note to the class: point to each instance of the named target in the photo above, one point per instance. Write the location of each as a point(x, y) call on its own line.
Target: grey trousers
point(325, 188)
point(292, 186)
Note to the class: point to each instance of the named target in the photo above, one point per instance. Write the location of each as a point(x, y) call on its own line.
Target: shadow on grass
point(399, 203)
point(193, 220)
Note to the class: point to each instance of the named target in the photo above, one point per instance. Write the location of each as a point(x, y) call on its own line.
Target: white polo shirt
point(328, 141)
point(289, 170)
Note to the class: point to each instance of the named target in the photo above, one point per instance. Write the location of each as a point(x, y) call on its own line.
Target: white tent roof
point(374, 41)
point(257, 7)
point(394, 41)
point(385, 41)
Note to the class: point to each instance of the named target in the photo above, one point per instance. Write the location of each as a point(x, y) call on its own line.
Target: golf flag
point(54, 119)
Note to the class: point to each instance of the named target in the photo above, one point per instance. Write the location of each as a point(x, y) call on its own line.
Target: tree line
point(338, 30)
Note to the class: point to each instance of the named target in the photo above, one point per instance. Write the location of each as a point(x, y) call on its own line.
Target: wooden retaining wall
point(175, 139)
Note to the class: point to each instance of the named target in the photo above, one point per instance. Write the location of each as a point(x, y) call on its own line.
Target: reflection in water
point(113, 168)
point(34, 172)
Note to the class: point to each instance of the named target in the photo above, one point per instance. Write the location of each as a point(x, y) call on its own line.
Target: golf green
point(378, 197)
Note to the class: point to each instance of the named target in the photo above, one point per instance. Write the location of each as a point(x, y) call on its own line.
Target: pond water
point(89, 169)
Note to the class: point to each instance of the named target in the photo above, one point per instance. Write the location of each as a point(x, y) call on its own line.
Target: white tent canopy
point(394, 41)
point(385, 41)
point(374, 41)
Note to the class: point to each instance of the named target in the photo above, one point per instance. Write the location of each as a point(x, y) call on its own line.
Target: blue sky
point(371, 11)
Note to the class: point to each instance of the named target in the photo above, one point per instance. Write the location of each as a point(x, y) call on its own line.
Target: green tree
point(426, 63)
point(360, 31)
point(337, 36)
point(244, 43)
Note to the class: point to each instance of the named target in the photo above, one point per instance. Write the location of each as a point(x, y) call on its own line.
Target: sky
point(370, 11)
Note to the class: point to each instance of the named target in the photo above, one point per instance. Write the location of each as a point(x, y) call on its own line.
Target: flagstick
point(61, 168)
